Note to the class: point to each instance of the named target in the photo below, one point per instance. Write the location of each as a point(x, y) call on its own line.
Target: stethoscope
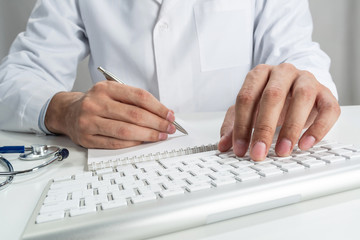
point(35, 152)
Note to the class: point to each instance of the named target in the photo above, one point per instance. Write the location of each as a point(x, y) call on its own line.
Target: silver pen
point(111, 77)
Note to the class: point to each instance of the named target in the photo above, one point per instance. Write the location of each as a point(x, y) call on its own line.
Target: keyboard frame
point(194, 209)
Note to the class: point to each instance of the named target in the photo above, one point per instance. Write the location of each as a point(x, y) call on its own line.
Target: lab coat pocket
point(224, 33)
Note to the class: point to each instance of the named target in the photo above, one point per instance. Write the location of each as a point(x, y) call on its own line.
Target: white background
point(336, 28)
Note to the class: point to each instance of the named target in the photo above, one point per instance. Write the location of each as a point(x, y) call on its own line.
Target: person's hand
point(274, 96)
point(110, 115)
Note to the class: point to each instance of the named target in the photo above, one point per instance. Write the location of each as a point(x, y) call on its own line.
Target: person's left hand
point(274, 96)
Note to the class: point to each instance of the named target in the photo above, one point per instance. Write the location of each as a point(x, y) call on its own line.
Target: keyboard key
point(266, 160)
point(270, 172)
point(242, 164)
point(210, 158)
point(353, 148)
point(317, 150)
point(97, 199)
point(219, 175)
point(223, 181)
point(59, 206)
point(123, 194)
point(222, 168)
point(322, 154)
point(292, 167)
point(304, 158)
point(266, 166)
point(284, 162)
point(313, 163)
point(247, 177)
point(82, 210)
point(198, 186)
point(333, 159)
point(351, 155)
point(298, 153)
point(47, 217)
point(336, 146)
point(143, 198)
point(104, 170)
point(112, 175)
point(245, 170)
point(228, 161)
point(199, 179)
point(340, 151)
point(171, 192)
point(114, 204)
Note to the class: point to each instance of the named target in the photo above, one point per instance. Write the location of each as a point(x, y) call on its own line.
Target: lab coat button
point(164, 26)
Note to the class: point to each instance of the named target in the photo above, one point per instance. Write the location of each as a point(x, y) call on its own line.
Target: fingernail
point(284, 146)
point(171, 129)
point(170, 116)
point(163, 136)
point(258, 151)
point(307, 142)
point(240, 147)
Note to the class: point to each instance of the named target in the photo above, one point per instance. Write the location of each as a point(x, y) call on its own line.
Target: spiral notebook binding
point(151, 157)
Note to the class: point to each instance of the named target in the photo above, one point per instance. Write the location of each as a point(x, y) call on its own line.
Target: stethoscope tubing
point(10, 178)
point(58, 156)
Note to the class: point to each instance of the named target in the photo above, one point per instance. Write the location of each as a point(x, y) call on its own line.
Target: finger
point(328, 112)
point(126, 131)
point(226, 130)
point(138, 116)
point(138, 97)
point(304, 93)
point(246, 107)
point(271, 104)
point(104, 142)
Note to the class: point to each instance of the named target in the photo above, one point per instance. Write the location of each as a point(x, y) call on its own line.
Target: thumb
point(226, 130)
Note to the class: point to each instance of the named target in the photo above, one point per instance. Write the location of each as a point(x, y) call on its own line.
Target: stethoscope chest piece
point(38, 151)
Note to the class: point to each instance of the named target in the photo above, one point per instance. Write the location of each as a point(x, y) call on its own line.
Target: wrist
point(59, 111)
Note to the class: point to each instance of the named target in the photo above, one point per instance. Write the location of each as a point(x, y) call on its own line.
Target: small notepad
point(177, 144)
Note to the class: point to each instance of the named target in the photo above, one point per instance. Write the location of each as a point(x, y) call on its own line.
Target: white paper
point(175, 141)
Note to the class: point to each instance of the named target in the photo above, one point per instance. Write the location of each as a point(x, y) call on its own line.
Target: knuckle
point(307, 74)
point(84, 141)
point(87, 105)
point(123, 133)
point(241, 129)
point(135, 115)
point(153, 136)
point(320, 126)
point(82, 123)
point(265, 130)
point(307, 93)
point(261, 68)
point(258, 70)
point(163, 125)
point(142, 95)
point(273, 94)
point(100, 86)
point(113, 144)
point(292, 129)
point(286, 67)
point(332, 107)
point(336, 109)
point(245, 97)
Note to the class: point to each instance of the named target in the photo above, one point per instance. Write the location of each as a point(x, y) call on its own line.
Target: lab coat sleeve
point(283, 33)
point(42, 61)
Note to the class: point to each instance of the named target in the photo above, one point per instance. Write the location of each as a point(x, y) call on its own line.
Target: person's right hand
point(110, 115)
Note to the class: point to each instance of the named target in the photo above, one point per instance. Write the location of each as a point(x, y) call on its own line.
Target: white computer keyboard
point(131, 184)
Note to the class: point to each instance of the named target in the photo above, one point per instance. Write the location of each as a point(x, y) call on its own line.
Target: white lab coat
point(193, 55)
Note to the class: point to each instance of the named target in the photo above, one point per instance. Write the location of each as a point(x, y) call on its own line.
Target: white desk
point(332, 217)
